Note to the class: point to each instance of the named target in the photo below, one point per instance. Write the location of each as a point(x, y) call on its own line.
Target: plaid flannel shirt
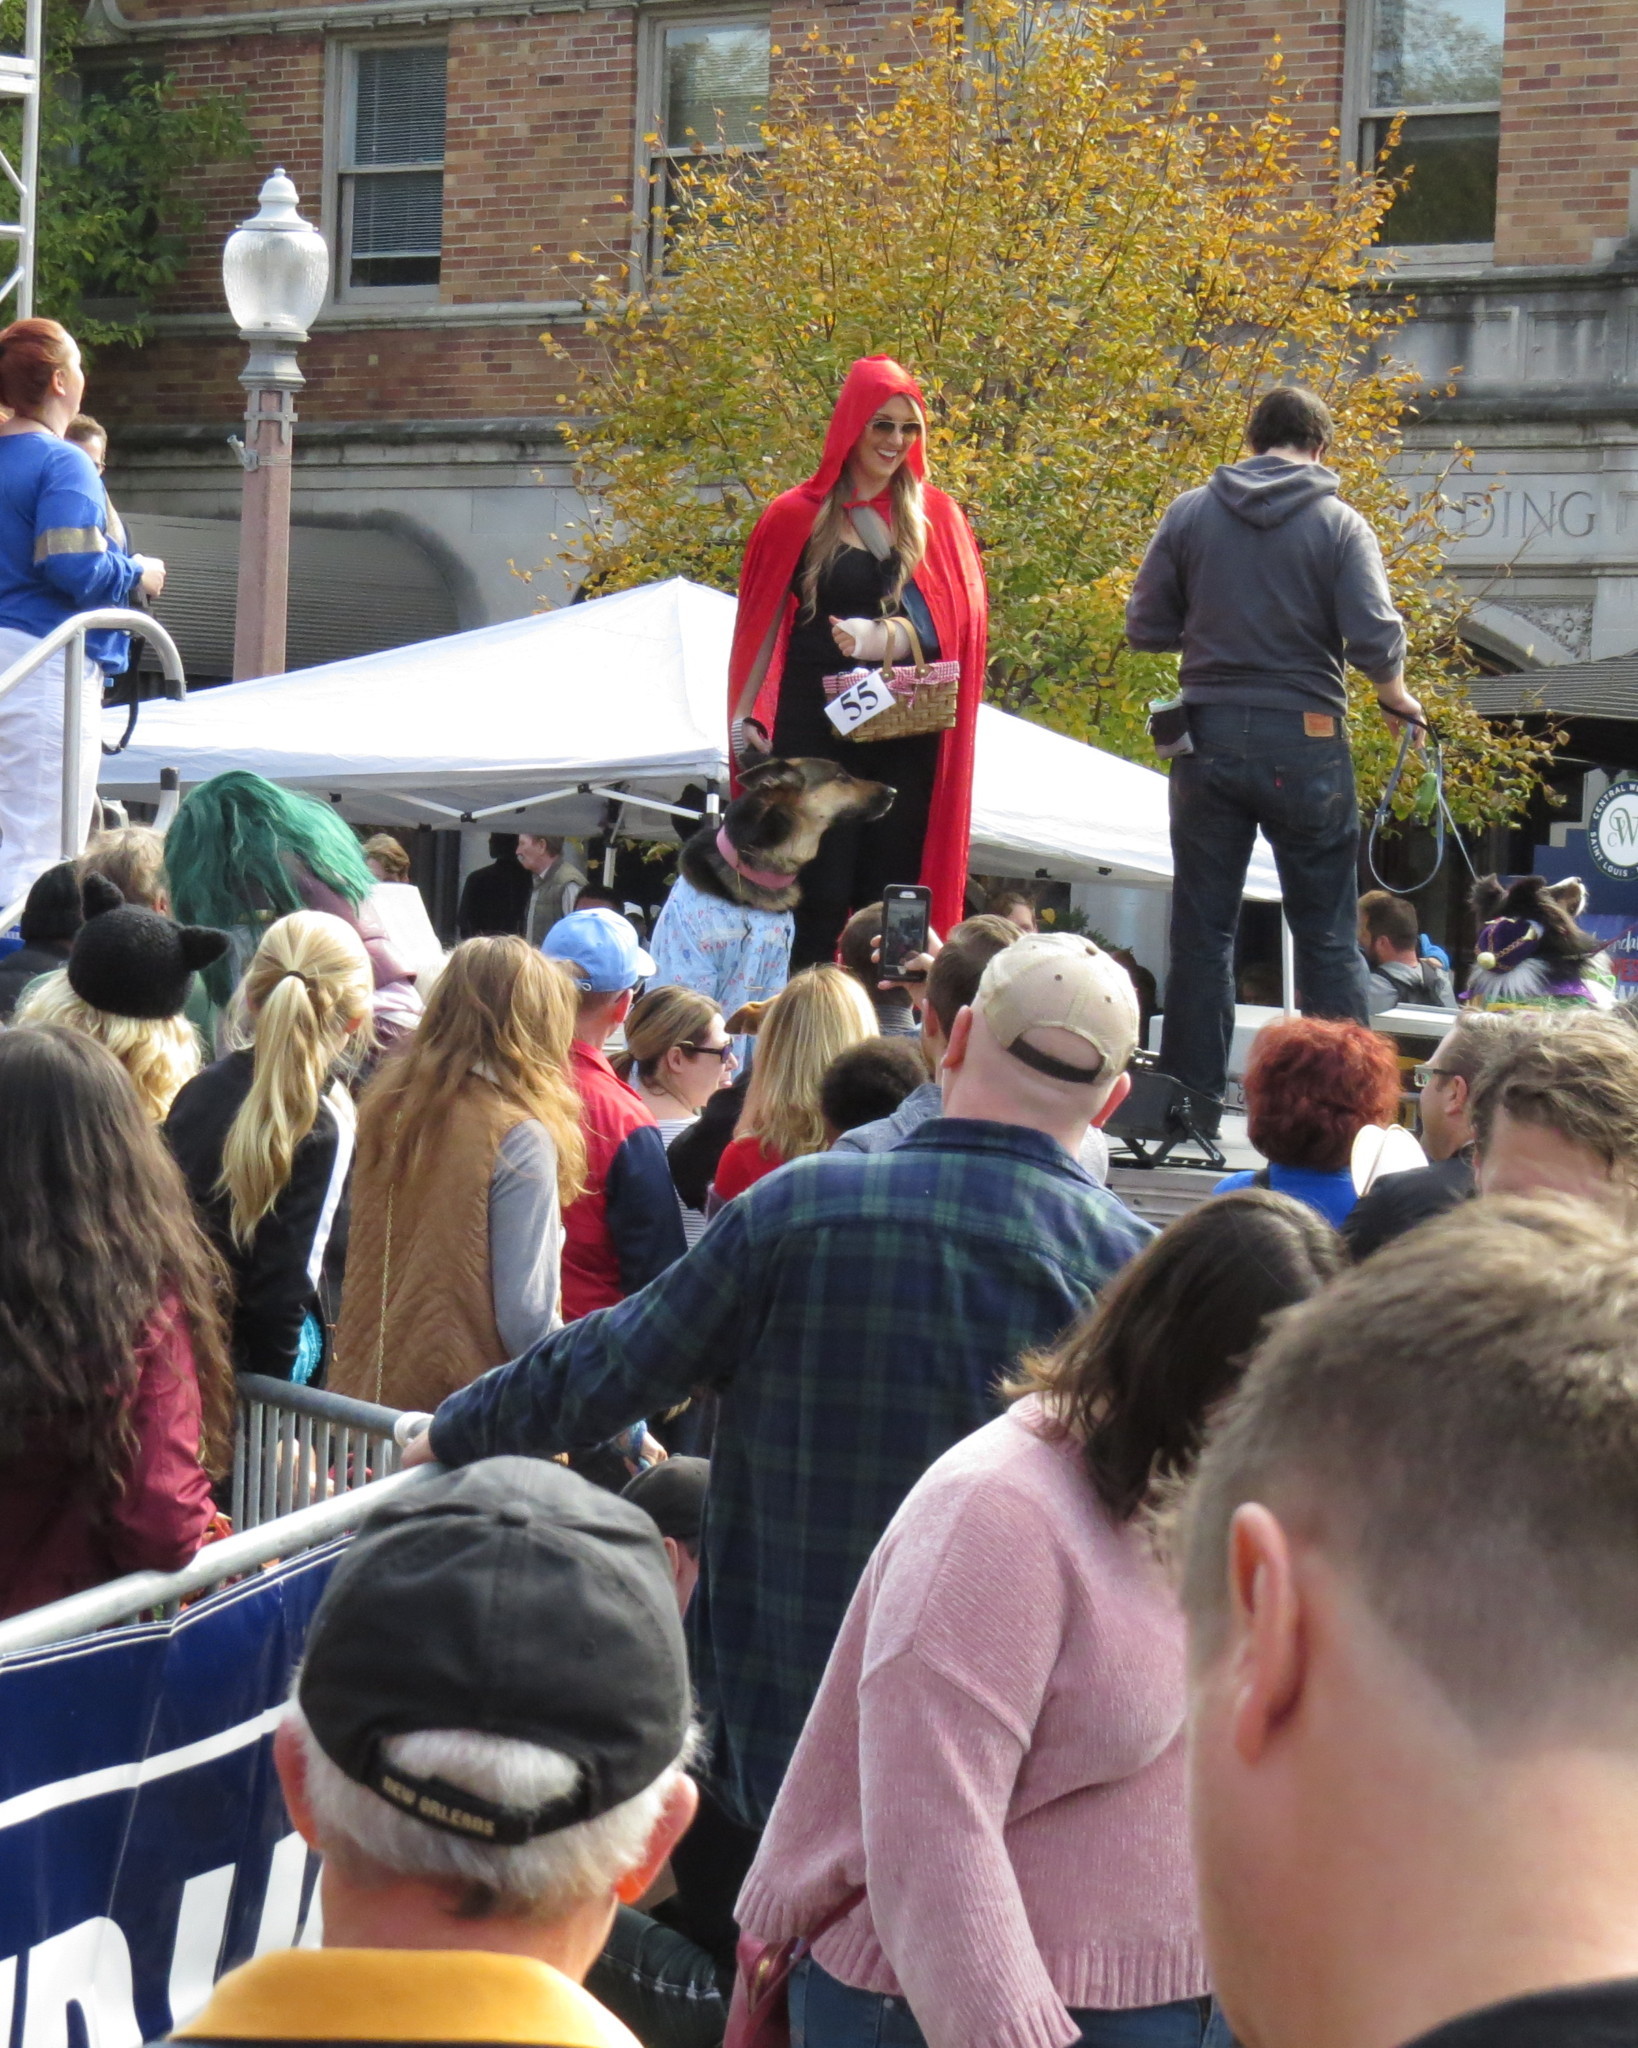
point(855, 1311)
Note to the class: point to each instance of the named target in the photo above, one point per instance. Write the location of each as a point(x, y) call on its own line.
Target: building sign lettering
point(1519, 515)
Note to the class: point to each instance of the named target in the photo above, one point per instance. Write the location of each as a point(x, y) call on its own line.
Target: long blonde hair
point(159, 1053)
point(813, 1018)
point(307, 991)
point(504, 1014)
point(907, 525)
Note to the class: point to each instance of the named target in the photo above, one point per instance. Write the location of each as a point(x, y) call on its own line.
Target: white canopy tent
point(539, 723)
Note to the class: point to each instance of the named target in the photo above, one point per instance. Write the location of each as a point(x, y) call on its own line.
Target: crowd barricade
point(136, 1724)
point(294, 1445)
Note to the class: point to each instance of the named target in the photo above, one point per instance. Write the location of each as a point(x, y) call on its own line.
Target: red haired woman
point(863, 540)
point(56, 559)
point(1311, 1088)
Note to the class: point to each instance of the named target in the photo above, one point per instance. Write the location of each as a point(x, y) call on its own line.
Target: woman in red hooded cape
point(789, 594)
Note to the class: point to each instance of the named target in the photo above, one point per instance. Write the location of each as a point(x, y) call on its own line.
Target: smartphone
point(906, 908)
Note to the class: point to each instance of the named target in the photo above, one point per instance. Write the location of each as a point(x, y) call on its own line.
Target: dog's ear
point(1488, 897)
point(773, 774)
point(1570, 896)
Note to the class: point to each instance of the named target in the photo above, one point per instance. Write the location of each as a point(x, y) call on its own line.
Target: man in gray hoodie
point(1268, 583)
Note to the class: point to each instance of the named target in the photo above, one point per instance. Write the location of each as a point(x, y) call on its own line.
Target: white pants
point(31, 765)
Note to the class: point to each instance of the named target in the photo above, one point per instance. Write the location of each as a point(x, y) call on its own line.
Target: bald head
point(984, 1080)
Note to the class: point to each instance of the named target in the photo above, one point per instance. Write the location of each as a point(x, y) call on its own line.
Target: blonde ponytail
point(308, 993)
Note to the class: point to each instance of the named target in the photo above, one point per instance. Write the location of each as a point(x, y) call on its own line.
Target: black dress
point(855, 861)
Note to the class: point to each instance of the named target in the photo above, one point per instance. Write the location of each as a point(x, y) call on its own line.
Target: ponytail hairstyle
point(661, 1018)
point(907, 525)
point(308, 993)
point(31, 354)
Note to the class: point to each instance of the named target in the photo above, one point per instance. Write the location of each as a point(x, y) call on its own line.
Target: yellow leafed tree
point(1090, 277)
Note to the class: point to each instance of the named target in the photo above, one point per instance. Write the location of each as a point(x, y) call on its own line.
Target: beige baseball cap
point(1058, 981)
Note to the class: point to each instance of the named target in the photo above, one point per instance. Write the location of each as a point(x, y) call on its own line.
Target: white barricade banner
point(144, 1847)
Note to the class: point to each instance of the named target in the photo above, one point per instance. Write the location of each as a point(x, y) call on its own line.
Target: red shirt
point(625, 1227)
point(742, 1165)
point(53, 1542)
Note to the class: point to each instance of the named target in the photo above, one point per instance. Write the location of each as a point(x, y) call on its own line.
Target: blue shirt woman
point(56, 559)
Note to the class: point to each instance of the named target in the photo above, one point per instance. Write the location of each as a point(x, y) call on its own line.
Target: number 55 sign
point(864, 699)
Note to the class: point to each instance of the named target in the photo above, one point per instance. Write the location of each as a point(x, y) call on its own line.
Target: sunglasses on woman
point(717, 1052)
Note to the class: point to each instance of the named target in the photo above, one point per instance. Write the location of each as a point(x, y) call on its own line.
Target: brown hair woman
point(469, 1148)
point(115, 1388)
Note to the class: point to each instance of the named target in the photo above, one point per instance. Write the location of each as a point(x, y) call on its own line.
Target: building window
point(391, 168)
point(1435, 66)
point(710, 95)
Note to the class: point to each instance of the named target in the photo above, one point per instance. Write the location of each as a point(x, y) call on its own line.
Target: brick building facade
point(457, 151)
point(1518, 242)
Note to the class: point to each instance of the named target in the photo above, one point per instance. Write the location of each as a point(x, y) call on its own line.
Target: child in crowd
point(868, 1082)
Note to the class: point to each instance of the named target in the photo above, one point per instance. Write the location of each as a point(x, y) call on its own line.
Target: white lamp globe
point(276, 268)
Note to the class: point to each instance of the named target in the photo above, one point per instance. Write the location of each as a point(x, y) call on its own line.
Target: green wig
point(234, 854)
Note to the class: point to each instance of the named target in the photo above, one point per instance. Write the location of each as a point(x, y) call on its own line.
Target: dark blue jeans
point(1251, 768)
point(828, 2014)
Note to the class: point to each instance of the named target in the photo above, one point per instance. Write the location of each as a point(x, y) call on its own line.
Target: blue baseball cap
point(605, 948)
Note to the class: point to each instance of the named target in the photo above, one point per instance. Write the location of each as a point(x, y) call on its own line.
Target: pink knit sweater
point(997, 1750)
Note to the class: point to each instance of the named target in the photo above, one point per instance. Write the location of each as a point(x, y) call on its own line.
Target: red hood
point(871, 381)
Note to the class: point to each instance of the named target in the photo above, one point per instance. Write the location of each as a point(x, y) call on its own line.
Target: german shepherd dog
point(726, 927)
point(773, 828)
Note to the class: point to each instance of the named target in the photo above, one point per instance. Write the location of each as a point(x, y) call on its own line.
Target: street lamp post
point(275, 270)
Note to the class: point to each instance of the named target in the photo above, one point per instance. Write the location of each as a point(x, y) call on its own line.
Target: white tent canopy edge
point(525, 725)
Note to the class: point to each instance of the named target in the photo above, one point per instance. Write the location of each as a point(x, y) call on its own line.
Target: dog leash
point(1440, 809)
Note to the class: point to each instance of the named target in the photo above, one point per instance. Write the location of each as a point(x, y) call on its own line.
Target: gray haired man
point(487, 1745)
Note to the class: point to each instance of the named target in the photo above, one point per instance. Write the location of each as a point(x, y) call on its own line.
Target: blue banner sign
point(144, 1847)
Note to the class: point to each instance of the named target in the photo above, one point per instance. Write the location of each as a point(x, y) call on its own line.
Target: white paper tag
point(867, 698)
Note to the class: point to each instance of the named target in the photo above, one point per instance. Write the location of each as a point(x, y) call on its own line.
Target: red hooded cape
point(950, 577)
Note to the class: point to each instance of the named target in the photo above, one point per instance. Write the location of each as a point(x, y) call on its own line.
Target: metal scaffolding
point(20, 80)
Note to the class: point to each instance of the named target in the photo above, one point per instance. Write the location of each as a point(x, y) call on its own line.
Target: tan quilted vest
point(417, 1308)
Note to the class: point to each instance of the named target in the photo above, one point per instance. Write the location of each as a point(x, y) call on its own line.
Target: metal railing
point(148, 1595)
point(294, 1445)
point(69, 638)
point(307, 1467)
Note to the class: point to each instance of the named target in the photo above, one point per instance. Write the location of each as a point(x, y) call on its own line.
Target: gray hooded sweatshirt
point(1268, 582)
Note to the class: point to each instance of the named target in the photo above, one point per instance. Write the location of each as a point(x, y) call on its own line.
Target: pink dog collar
point(762, 877)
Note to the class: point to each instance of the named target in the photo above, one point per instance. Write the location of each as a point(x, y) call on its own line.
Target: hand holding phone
point(906, 909)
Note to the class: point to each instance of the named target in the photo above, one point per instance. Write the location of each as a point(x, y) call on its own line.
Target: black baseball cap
point(508, 1598)
point(673, 1492)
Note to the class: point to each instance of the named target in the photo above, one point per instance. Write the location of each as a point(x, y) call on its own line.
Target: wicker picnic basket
point(925, 692)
